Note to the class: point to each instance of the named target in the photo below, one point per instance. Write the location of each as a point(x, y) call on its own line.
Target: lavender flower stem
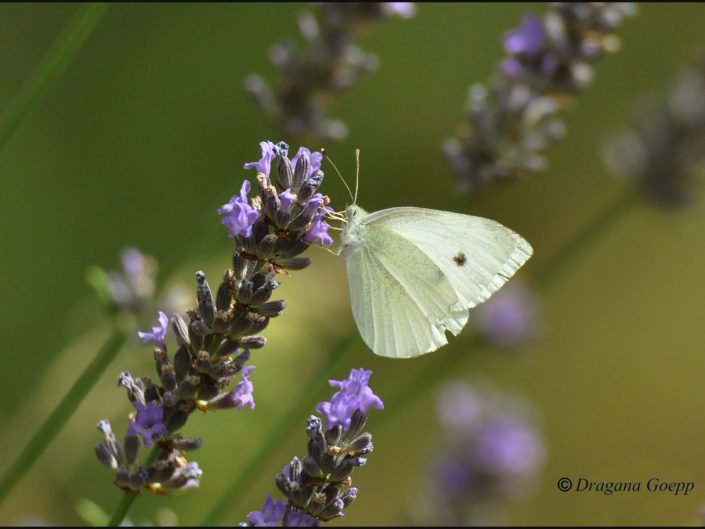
point(129, 498)
point(61, 414)
point(283, 426)
point(54, 64)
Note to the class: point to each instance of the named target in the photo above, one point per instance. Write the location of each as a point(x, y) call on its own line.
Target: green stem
point(61, 414)
point(558, 264)
point(129, 498)
point(279, 432)
point(52, 66)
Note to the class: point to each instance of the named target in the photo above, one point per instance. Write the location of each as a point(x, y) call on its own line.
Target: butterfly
point(415, 273)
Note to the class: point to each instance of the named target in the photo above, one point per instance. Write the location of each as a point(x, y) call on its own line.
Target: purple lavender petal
point(287, 199)
point(158, 334)
point(318, 230)
point(148, 422)
point(300, 519)
point(527, 38)
point(242, 396)
point(272, 513)
point(264, 164)
point(239, 216)
point(354, 394)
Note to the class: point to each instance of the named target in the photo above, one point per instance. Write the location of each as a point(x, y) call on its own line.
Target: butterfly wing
point(400, 299)
point(419, 271)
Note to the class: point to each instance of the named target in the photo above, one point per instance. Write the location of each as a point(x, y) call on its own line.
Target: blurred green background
point(144, 136)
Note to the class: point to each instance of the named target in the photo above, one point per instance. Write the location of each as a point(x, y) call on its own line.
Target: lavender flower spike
point(158, 334)
point(328, 62)
point(513, 119)
point(319, 487)
point(215, 339)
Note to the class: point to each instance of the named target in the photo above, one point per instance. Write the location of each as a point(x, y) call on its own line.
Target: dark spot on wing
point(460, 259)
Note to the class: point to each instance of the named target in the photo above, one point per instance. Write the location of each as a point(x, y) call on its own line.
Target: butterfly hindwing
point(476, 255)
point(401, 300)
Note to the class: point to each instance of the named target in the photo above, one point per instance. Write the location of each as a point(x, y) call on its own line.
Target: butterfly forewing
point(477, 255)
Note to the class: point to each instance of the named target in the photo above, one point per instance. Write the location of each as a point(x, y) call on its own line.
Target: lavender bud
point(222, 297)
point(334, 510)
point(105, 456)
point(180, 330)
point(286, 247)
point(245, 292)
point(313, 426)
point(205, 299)
point(189, 443)
point(271, 309)
point(226, 347)
point(241, 265)
point(253, 342)
point(285, 171)
point(168, 378)
point(182, 363)
point(176, 420)
point(203, 362)
point(132, 448)
point(342, 471)
point(360, 443)
point(301, 171)
point(349, 496)
point(294, 263)
point(311, 467)
point(310, 186)
point(333, 435)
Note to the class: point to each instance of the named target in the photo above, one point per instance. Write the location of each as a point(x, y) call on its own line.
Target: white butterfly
point(415, 273)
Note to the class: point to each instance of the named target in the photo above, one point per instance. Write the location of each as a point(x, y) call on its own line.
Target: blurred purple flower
point(264, 164)
point(527, 38)
point(271, 514)
point(158, 334)
point(510, 317)
point(148, 422)
point(239, 216)
point(242, 394)
point(354, 394)
point(490, 451)
point(401, 9)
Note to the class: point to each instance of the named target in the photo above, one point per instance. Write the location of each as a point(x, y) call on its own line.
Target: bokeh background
point(144, 136)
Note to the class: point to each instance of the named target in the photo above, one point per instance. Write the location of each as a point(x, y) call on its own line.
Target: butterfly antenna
point(323, 151)
point(357, 174)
